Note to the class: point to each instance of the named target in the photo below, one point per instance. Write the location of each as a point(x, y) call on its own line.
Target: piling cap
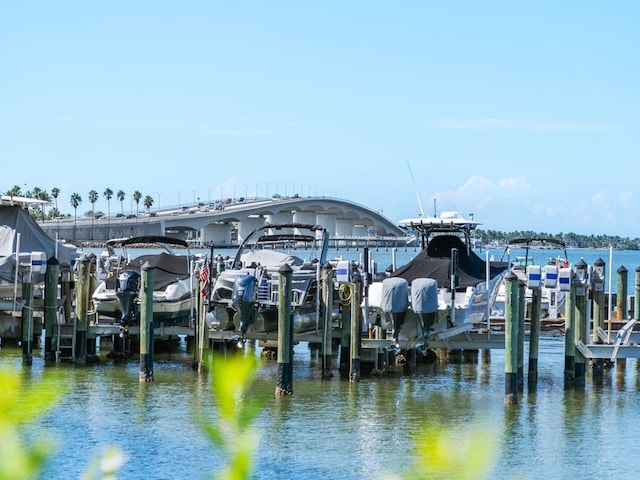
point(511, 276)
point(622, 269)
point(147, 266)
point(53, 261)
point(599, 262)
point(286, 268)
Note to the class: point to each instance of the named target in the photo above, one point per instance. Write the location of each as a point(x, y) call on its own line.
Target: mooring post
point(621, 298)
point(284, 383)
point(534, 336)
point(599, 307)
point(522, 314)
point(82, 305)
point(147, 273)
point(27, 317)
point(569, 333)
point(50, 305)
point(345, 322)
point(356, 329)
point(327, 313)
point(580, 320)
point(92, 347)
point(511, 323)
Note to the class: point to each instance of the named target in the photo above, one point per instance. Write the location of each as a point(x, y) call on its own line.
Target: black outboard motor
point(242, 300)
point(127, 293)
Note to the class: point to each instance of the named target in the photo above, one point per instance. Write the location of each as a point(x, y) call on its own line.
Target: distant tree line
point(40, 213)
point(571, 239)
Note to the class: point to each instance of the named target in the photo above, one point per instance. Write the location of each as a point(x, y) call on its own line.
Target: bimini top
point(447, 223)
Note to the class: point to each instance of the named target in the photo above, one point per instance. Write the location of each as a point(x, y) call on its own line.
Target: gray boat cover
point(395, 295)
point(424, 295)
point(15, 220)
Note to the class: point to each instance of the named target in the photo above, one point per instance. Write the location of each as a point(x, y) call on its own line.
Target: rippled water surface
point(336, 429)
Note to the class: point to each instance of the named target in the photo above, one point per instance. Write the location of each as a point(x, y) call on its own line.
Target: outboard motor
point(242, 299)
point(127, 293)
point(424, 302)
point(395, 302)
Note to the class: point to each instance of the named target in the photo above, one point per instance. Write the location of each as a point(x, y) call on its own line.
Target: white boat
point(174, 285)
point(245, 296)
point(552, 298)
point(444, 291)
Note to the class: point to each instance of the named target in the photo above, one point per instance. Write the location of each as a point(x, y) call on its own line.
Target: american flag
point(204, 277)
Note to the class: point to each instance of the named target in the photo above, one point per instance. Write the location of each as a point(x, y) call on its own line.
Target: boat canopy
point(435, 262)
point(16, 220)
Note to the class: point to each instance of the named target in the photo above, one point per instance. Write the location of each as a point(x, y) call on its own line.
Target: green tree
point(55, 191)
point(93, 198)
point(15, 191)
point(148, 202)
point(136, 198)
point(108, 194)
point(120, 195)
point(76, 200)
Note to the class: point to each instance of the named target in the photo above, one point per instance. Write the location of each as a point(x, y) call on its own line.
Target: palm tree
point(108, 193)
point(93, 198)
point(16, 191)
point(76, 200)
point(148, 202)
point(55, 191)
point(120, 195)
point(36, 194)
point(136, 198)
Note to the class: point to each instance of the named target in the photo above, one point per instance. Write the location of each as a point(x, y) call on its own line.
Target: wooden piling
point(522, 313)
point(599, 307)
point(569, 334)
point(50, 305)
point(356, 329)
point(511, 339)
point(327, 313)
point(147, 273)
point(580, 323)
point(345, 322)
point(27, 317)
point(284, 382)
point(82, 305)
point(621, 298)
point(534, 336)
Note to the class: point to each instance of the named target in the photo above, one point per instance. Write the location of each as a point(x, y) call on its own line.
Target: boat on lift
point(245, 296)
point(174, 285)
point(443, 291)
point(553, 298)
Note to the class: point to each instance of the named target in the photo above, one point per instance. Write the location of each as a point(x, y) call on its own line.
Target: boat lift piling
point(27, 318)
point(147, 273)
point(327, 312)
point(356, 329)
point(580, 319)
point(534, 336)
point(511, 324)
point(284, 382)
point(569, 333)
point(82, 306)
point(50, 305)
point(522, 313)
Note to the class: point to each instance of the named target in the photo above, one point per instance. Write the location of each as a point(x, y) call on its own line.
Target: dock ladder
point(65, 338)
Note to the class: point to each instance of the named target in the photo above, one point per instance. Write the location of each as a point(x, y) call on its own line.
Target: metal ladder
point(65, 338)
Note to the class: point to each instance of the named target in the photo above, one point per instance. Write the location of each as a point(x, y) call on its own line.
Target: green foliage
point(232, 431)
point(19, 405)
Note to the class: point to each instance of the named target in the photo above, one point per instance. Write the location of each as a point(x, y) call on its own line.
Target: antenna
point(414, 187)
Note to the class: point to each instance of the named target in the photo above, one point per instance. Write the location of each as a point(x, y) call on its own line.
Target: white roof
point(13, 200)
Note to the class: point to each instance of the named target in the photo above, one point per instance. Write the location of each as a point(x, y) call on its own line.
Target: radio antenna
point(414, 187)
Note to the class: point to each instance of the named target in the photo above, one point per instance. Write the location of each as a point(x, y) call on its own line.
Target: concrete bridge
point(227, 223)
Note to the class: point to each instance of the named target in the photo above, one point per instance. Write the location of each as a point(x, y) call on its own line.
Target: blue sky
point(523, 113)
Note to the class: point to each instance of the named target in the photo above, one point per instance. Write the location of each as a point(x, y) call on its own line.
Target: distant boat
point(443, 291)
point(245, 296)
point(553, 299)
point(174, 286)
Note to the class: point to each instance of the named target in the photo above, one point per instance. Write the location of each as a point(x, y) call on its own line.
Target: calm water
point(336, 429)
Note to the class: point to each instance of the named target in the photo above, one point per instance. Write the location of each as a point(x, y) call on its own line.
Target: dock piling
point(147, 273)
point(511, 324)
point(284, 383)
point(327, 312)
point(534, 336)
point(50, 305)
point(356, 330)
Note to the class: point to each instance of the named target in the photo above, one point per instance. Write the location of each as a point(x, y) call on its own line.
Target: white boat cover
point(424, 295)
point(270, 259)
point(395, 295)
point(14, 220)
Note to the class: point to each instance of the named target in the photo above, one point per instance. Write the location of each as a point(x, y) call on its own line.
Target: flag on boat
point(204, 277)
